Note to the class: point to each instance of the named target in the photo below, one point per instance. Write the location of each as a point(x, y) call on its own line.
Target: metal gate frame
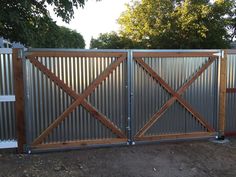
point(138, 56)
point(79, 98)
point(131, 56)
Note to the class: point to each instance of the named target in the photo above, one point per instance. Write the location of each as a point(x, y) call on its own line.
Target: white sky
point(96, 17)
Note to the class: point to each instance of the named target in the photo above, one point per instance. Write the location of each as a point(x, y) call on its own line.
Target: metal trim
point(73, 50)
point(5, 51)
point(231, 51)
point(117, 50)
point(180, 51)
point(8, 144)
point(129, 61)
point(218, 91)
point(8, 98)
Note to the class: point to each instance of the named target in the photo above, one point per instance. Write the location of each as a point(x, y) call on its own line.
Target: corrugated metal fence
point(80, 71)
point(99, 97)
point(154, 95)
point(231, 93)
point(7, 109)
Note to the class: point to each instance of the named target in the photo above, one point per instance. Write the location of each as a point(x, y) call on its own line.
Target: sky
point(96, 17)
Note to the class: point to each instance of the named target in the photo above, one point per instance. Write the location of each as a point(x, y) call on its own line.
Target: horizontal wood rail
point(231, 90)
point(80, 143)
point(176, 136)
point(172, 54)
point(49, 54)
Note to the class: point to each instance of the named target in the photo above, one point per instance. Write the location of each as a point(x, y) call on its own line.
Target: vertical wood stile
point(222, 104)
point(19, 105)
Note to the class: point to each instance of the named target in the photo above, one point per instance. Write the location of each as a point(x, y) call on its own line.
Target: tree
point(20, 19)
point(112, 41)
point(52, 36)
point(179, 23)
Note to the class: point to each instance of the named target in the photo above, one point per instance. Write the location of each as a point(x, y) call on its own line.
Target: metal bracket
point(20, 54)
point(27, 149)
point(220, 54)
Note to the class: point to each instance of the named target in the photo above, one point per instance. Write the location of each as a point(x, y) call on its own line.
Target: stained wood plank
point(74, 54)
point(231, 90)
point(172, 54)
point(81, 143)
point(19, 95)
point(222, 104)
point(175, 136)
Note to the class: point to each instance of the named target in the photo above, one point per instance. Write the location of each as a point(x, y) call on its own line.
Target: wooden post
point(19, 94)
point(222, 103)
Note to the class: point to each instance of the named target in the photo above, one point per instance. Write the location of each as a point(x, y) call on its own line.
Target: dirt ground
point(182, 159)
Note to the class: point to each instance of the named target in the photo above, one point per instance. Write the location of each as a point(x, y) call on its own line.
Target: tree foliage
point(179, 23)
point(111, 41)
point(52, 36)
point(25, 20)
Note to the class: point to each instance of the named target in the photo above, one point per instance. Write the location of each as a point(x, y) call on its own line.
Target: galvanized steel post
point(129, 61)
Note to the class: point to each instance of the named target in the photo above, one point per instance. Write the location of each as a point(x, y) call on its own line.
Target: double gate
point(76, 98)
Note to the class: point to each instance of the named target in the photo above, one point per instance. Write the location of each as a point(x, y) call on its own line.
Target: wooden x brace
point(80, 99)
point(175, 96)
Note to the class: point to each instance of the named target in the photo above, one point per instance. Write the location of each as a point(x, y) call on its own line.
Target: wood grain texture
point(80, 143)
point(175, 136)
point(172, 54)
point(222, 103)
point(90, 55)
point(19, 104)
point(231, 90)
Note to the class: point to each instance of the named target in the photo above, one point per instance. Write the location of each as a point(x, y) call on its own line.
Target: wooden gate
point(68, 70)
point(161, 90)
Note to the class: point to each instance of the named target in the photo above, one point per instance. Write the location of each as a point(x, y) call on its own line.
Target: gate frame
point(18, 69)
point(120, 55)
point(218, 55)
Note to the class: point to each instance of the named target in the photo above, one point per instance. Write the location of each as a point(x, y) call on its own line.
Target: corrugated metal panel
point(46, 101)
point(149, 96)
point(231, 97)
point(7, 110)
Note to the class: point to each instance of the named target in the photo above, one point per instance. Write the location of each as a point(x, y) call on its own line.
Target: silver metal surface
point(149, 96)
point(46, 101)
point(7, 109)
point(8, 144)
point(176, 50)
point(231, 97)
point(8, 98)
point(5, 51)
point(231, 51)
point(128, 97)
